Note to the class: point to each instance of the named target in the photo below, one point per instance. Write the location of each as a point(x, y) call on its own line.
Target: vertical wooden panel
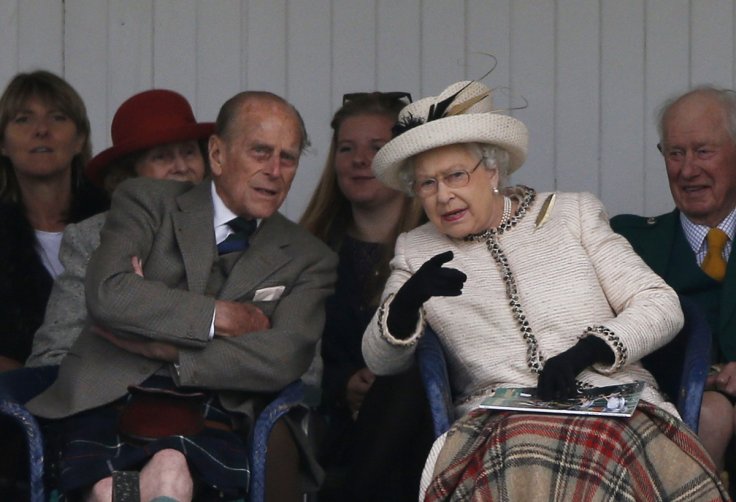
point(129, 56)
point(218, 56)
point(622, 107)
point(577, 101)
point(712, 53)
point(309, 90)
point(265, 47)
point(174, 46)
point(353, 45)
point(488, 30)
point(533, 64)
point(86, 61)
point(398, 52)
point(666, 73)
point(8, 41)
point(40, 35)
point(443, 45)
point(648, 51)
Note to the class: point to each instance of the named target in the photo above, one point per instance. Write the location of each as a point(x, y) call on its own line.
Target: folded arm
point(648, 313)
point(158, 306)
point(266, 360)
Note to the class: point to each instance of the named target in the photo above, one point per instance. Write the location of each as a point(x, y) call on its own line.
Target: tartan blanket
point(523, 457)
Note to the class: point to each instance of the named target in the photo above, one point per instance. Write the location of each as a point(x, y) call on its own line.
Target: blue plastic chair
point(34, 441)
point(290, 397)
point(433, 368)
point(689, 351)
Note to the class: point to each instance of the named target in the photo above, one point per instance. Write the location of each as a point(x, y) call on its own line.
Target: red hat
point(145, 120)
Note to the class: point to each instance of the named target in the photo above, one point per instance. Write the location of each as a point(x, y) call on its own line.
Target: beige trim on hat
point(469, 118)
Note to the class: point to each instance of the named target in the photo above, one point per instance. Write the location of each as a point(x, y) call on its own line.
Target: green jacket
point(658, 240)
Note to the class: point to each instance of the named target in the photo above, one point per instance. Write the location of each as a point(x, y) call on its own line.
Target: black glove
point(430, 280)
point(557, 380)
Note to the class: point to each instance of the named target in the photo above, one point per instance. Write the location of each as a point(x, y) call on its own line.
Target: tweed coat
point(66, 310)
point(169, 225)
point(572, 273)
point(653, 239)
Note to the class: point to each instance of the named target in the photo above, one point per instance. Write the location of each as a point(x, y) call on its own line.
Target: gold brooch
point(544, 213)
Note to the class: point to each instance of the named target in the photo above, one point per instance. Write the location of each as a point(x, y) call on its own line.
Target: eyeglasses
point(427, 187)
point(398, 96)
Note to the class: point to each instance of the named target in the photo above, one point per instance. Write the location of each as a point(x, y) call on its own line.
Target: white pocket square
point(268, 294)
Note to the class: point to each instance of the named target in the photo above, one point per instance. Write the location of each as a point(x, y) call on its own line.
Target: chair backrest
point(433, 368)
point(34, 441)
point(680, 368)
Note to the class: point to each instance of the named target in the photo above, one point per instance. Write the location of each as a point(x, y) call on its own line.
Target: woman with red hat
point(154, 134)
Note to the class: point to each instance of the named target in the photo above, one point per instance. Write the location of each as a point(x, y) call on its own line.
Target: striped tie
point(238, 239)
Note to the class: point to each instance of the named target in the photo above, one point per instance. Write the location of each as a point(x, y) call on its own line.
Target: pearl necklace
point(506, 211)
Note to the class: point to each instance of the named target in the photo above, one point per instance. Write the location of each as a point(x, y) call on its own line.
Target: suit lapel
point(195, 235)
point(264, 257)
point(661, 237)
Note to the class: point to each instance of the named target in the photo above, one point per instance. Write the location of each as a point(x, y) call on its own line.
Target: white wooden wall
point(593, 71)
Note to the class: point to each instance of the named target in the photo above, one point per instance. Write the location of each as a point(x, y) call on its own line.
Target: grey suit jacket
point(169, 225)
point(66, 310)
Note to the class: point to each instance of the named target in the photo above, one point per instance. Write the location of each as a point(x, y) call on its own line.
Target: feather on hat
point(462, 113)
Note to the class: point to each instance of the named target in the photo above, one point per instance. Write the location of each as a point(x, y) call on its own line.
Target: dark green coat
point(661, 243)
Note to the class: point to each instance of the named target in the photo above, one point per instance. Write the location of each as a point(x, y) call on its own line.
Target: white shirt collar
point(223, 214)
point(695, 234)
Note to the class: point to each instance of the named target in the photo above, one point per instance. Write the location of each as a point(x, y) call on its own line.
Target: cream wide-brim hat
point(468, 118)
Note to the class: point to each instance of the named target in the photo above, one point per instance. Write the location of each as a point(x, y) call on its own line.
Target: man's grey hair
point(228, 114)
point(726, 97)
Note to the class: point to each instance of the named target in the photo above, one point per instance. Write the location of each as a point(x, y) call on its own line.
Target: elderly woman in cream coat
point(537, 292)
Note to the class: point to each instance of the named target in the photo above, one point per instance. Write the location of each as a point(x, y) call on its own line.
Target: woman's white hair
point(494, 157)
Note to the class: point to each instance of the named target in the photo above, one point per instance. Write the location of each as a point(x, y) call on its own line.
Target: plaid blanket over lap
point(524, 457)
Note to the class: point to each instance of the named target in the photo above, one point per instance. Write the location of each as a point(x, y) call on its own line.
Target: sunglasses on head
point(398, 95)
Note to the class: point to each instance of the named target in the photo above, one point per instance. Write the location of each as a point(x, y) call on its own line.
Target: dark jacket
point(660, 242)
point(25, 283)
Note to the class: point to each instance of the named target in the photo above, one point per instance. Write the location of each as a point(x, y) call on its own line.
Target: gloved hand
point(432, 279)
point(557, 380)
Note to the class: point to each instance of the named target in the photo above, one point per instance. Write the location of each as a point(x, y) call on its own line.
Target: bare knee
point(167, 474)
point(716, 425)
point(716, 414)
point(100, 491)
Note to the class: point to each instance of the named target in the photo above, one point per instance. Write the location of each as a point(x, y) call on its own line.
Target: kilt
point(510, 456)
point(91, 449)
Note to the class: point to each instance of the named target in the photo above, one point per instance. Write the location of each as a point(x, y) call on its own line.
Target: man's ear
point(215, 149)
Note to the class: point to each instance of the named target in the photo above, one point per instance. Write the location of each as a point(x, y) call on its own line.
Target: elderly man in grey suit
point(172, 316)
